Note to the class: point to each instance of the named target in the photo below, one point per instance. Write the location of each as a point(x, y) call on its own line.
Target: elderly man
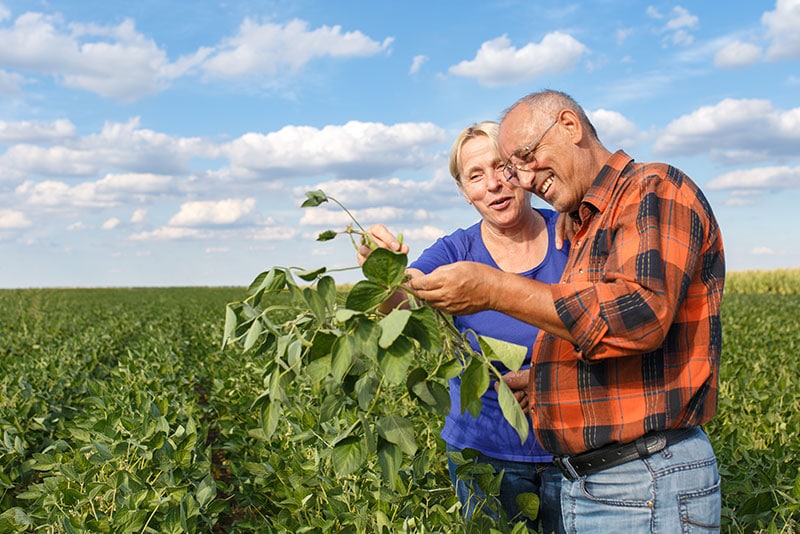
point(626, 364)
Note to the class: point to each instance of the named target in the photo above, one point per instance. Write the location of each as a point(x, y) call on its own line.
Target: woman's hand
point(382, 238)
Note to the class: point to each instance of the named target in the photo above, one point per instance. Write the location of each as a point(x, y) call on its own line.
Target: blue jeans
point(542, 479)
point(673, 491)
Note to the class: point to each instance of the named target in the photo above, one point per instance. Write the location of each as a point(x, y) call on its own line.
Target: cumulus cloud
point(138, 215)
point(737, 54)
point(34, 132)
point(112, 190)
point(13, 220)
point(763, 178)
point(734, 131)
point(118, 146)
point(614, 129)
point(267, 48)
point(383, 214)
point(783, 30)
point(355, 147)
point(213, 213)
point(498, 63)
point(110, 224)
point(112, 61)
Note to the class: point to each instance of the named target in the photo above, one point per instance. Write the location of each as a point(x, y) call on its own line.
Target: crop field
point(120, 411)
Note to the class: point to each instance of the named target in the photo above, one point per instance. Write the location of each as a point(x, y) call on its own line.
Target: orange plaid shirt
point(641, 295)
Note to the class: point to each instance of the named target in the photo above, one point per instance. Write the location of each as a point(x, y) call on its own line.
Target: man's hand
point(517, 381)
point(458, 288)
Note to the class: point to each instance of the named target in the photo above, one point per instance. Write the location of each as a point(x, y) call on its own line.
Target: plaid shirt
point(641, 295)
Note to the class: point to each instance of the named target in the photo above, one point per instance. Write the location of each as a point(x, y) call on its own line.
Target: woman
point(514, 237)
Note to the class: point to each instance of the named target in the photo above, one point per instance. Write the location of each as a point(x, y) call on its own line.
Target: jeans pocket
point(700, 509)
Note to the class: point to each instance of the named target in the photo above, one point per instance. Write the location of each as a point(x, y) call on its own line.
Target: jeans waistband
point(586, 463)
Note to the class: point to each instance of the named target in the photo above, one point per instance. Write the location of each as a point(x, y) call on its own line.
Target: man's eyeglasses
point(527, 154)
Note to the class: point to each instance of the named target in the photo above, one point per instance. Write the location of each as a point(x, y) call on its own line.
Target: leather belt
point(586, 463)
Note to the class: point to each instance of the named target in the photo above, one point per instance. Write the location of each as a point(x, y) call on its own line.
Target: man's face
point(538, 157)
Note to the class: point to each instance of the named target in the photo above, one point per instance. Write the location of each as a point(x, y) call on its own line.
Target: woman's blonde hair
point(488, 129)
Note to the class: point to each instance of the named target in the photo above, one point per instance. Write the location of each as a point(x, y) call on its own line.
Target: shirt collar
point(600, 192)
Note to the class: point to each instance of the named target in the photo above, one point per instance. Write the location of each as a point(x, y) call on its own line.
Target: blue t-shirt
point(490, 433)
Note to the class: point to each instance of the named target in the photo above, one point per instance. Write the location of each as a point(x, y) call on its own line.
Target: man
point(626, 366)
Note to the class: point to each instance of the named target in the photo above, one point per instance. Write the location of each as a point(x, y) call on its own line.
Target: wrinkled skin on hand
point(458, 288)
point(517, 381)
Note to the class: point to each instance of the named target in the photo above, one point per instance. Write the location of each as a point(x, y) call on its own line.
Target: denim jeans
point(675, 490)
point(543, 479)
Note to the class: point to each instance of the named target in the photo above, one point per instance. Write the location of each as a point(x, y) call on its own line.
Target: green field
point(119, 412)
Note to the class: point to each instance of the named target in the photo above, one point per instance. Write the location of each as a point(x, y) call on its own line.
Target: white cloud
point(110, 224)
point(364, 147)
point(762, 251)
point(112, 61)
point(213, 213)
point(117, 147)
point(774, 178)
point(614, 129)
point(138, 215)
point(737, 54)
point(111, 190)
point(13, 220)
point(269, 49)
point(30, 131)
point(426, 233)
point(678, 25)
point(734, 131)
point(168, 233)
point(497, 63)
point(416, 64)
point(338, 220)
point(783, 29)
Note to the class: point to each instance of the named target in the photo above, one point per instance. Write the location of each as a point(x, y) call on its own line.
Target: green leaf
point(366, 388)
point(326, 287)
point(431, 394)
point(230, 324)
point(342, 354)
point(528, 504)
point(309, 275)
point(272, 280)
point(365, 296)
point(392, 326)
point(270, 417)
point(348, 455)
point(316, 304)
point(395, 361)
point(206, 491)
point(474, 383)
point(511, 354)
point(390, 458)
point(398, 430)
point(327, 235)
point(385, 268)
point(512, 411)
point(424, 328)
point(253, 333)
point(450, 369)
point(314, 198)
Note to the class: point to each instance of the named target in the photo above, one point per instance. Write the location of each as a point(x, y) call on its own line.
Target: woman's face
point(483, 185)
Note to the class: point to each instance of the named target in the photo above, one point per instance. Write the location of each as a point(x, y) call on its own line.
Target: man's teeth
point(546, 185)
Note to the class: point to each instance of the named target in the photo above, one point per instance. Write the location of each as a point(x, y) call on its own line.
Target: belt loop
point(566, 468)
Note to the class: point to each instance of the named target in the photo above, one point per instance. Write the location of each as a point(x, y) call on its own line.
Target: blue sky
point(157, 143)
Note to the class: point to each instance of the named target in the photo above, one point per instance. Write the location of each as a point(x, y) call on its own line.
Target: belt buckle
point(566, 468)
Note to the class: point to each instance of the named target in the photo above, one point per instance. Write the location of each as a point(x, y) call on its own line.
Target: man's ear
point(570, 123)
